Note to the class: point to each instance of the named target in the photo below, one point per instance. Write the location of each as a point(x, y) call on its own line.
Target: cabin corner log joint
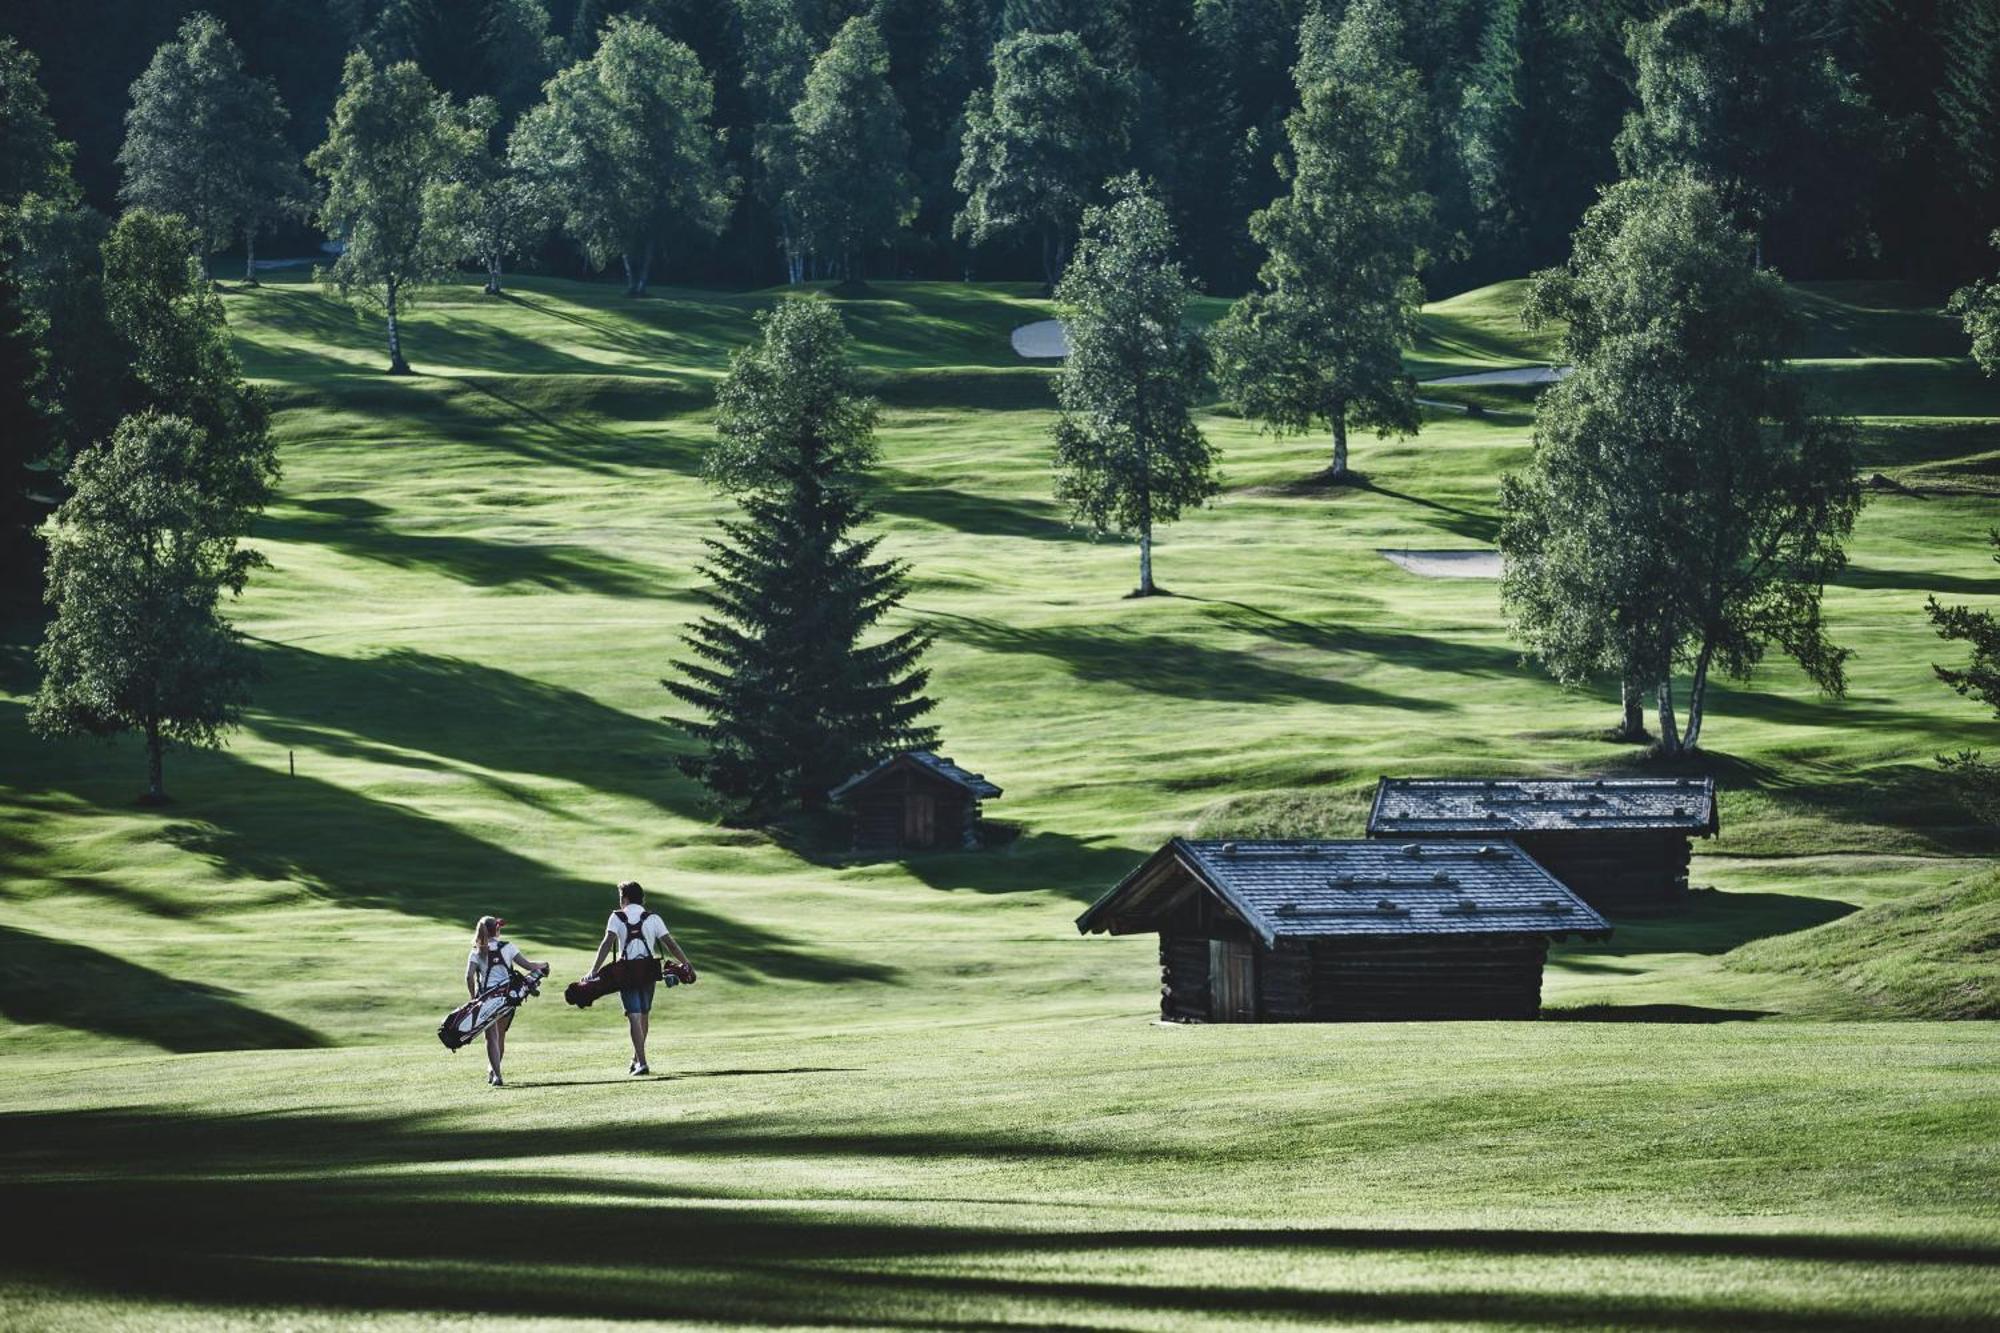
point(914, 799)
point(1295, 930)
point(1623, 845)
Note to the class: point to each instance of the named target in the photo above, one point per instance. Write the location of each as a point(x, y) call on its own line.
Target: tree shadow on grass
point(1075, 868)
point(278, 1210)
point(1651, 1013)
point(384, 706)
point(1918, 581)
point(357, 527)
point(1914, 797)
point(1175, 666)
point(907, 496)
point(1468, 523)
point(1714, 923)
point(69, 985)
point(1423, 651)
point(250, 822)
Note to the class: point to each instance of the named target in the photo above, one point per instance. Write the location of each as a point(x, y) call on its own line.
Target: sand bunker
point(1477, 563)
point(1042, 341)
point(1524, 375)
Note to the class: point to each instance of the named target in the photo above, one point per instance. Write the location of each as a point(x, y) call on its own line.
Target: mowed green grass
point(907, 1092)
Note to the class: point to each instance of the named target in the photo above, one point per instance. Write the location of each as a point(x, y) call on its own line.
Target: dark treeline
point(1870, 128)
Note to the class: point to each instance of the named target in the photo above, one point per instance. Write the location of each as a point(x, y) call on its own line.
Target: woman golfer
point(491, 963)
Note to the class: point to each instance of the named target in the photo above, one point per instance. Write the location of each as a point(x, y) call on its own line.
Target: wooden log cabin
point(1622, 844)
point(914, 799)
point(1314, 931)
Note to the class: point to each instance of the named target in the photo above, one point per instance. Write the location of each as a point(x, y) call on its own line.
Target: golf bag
point(626, 973)
point(483, 1010)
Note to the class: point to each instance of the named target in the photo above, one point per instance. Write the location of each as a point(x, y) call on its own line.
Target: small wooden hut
point(1623, 844)
point(914, 799)
point(1296, 930)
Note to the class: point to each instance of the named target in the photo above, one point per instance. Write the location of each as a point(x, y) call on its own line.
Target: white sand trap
point(1043, 340)
point(1478, 563)
point(1523, 375)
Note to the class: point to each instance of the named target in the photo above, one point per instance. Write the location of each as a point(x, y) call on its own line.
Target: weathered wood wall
point(877, 812)
point(1636, 873)
point(1445, 977)
point(1365, 980)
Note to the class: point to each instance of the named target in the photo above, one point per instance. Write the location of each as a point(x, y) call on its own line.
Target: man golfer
point(633, 934)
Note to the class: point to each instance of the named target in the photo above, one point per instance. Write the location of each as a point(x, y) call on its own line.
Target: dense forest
point(1864, 135)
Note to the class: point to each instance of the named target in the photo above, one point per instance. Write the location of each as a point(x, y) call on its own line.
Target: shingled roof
point(1414, 807)
point(941, 767)
point(1307, 889)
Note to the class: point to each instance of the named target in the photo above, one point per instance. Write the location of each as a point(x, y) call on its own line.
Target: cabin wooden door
point(919, 819)
point(1232, 982)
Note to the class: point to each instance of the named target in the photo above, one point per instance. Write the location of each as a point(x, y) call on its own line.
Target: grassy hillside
point(907, 1090)
point(1925, 955)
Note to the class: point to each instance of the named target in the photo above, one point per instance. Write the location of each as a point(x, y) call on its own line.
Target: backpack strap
point(635, 930)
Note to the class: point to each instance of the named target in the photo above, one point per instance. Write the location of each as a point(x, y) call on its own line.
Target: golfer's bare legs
point(496, 1045)
point(639, 1024)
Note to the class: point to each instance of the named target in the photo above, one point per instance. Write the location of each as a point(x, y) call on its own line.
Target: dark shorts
point(638, 999)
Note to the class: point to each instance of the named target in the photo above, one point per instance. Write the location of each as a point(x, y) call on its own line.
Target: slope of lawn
point(905, 1092)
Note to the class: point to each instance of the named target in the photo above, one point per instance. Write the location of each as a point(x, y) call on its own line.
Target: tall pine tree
point(793, 698)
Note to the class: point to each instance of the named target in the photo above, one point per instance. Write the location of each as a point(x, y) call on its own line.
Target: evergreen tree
point(1489, 119)
point(471, 48)
point(853, 188)
point(1321, 339)
point(392, 147)
point(794, 700)
point(621, 150)
point(33, 159)
point(204, 139)
point(1978, 780)
point(139, 558)
point(25, 446)
point(938, 56)
point(1128, 453)
point(1040, 143)
point(1683, 507)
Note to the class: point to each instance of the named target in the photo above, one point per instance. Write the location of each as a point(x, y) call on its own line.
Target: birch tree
point(391, 149)
point(621, 148)
point(1684, 507)
point(1320, 340)
point(1128, 453)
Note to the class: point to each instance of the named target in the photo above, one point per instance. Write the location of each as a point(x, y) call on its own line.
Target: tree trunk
point(493, 274)
point(250, 257)
point(1146, 588)
point(1048, 257)
point(1339, 469)
point(156, 782)
point(397, 366)
point(1698, 697)
point(1633, 700)
point(1670, 739)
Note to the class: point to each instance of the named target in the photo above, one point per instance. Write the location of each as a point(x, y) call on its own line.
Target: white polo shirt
point(493, 972)
point(636, 945)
